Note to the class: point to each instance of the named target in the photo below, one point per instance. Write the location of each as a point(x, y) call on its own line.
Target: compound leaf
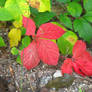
point(83, 28)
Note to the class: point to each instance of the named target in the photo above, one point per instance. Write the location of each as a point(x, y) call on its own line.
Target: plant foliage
point(40, 48)
point(81, 60)
point(2, 43)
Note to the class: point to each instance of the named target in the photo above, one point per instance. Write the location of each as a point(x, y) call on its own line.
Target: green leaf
point(5, 15)
point(80, 90)
point(26, 41)
point(18, 8)
point(18, 60)
point(83, 28)
point(74, 9)
point(21, 47)
point(66, 20)
point(23, 31)
point(66, 42)
point(14, 51)
point(2, 2)
point(2, 43)
point(63, 1)
point(43, 17)
point(34, 11)
point(76, 0)
point(87, 5)
point(88, 16)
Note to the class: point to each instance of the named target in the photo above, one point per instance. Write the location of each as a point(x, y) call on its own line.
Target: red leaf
point(79, 48)
point(85, 63)
point(77, 69)
point(48, 51)
point(86, 56)
point(50, 31)
point(67, 66)
point(29, 25)
point(81, 60)
point(29, 56)
point(85, 68)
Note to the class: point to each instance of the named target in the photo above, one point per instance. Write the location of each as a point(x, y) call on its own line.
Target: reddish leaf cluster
point(41, 47)
point(81, 61)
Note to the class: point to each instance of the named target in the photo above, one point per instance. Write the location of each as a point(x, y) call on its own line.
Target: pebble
point(57, 74)
point(40, 78)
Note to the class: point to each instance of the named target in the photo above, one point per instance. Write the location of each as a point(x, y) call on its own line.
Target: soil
point(15, 78)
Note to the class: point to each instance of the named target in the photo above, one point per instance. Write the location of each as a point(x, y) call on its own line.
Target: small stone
point(90, 86)
point(85, 81)
point(57, 74)
point(5, 33)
